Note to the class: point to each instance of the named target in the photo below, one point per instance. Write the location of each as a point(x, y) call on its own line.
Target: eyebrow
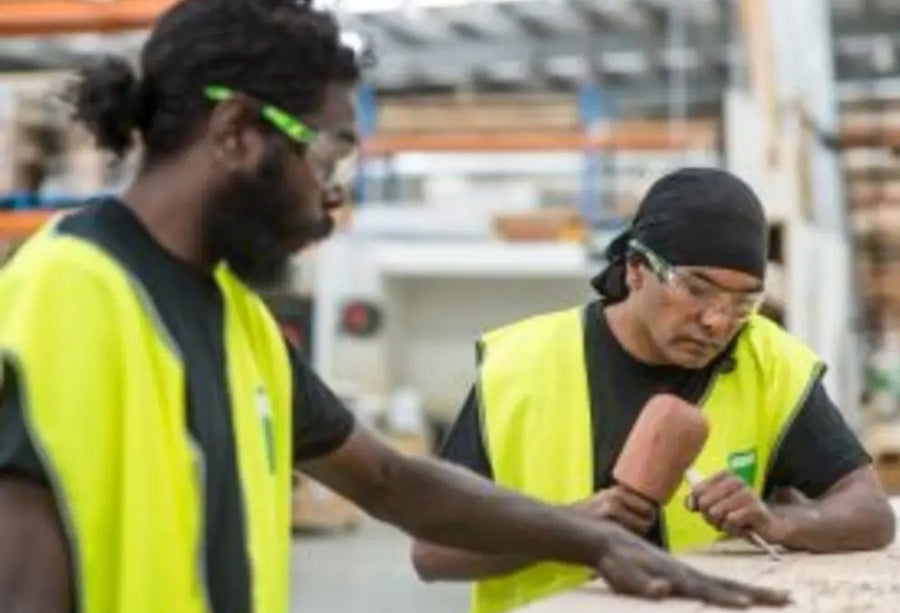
point(704, 277)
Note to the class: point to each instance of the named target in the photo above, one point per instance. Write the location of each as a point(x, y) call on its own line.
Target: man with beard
point(152, 413)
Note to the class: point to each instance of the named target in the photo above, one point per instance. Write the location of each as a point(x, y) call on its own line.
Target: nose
point(319, 173)
point(716, 318)
point(333, 197)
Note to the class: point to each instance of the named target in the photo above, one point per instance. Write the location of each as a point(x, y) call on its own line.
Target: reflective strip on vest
point(536, 418)
point(104, 399)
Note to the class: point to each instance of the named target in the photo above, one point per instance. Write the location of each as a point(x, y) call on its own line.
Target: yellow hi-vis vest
point(103, 394)
point(536, 421)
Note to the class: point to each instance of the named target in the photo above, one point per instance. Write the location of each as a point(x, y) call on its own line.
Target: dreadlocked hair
point(281, 51)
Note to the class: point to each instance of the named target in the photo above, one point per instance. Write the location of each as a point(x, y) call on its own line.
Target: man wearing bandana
point(677, 312)
point(151, 411)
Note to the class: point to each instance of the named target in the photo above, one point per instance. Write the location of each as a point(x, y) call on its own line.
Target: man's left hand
point(727, 504)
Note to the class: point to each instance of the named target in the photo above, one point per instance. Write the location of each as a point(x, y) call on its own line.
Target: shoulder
point(56, 262)
point(766, 343)
point(771, 359)
point(61, 291)
point(544, 325)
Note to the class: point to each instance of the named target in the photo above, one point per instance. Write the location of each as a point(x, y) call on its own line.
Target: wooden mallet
point(663, 443)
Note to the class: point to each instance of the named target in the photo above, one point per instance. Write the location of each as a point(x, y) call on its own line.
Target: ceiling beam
point(480, 21)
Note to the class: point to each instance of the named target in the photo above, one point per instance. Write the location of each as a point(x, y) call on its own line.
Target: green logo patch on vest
point(743, 465)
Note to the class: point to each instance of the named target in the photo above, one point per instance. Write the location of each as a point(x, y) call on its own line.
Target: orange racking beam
point(21, 224)
point(380, 144)
point(43, 17)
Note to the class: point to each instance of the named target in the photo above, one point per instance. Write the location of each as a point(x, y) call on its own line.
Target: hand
point(731, 507)
point(630, 565)
point(622, 506)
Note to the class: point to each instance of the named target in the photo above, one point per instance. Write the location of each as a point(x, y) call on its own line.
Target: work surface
point(846, 583)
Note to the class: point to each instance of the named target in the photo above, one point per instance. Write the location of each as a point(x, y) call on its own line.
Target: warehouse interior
point(503, 143)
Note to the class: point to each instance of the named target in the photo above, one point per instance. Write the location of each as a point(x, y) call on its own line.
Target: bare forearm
point(439, 563)
point(452, 507)
point(446, 505)
point(852, 519)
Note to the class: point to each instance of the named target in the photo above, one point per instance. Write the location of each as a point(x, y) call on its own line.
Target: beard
point(257, 223)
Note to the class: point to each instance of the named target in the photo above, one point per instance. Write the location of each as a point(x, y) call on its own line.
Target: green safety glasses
point(283, 121)
point(332, 156)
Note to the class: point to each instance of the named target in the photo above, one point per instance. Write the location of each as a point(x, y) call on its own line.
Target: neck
point(166, 199)
point(631, 334)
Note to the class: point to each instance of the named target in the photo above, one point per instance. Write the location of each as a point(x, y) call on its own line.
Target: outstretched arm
point(435, 562)
point(447, 505)
point(440, 563)
point(464, 446)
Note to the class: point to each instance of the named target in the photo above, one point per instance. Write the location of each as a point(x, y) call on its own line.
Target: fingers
point(739, 521)
point(727, 504)
point(636, 502)
point(717, 489)
point(639, 524)
point(741, 505)
point(632, 510)
point(626, 577)
point(710, 591)
point(623, 507)
point(634, 567)
point(760, 595)
point(728, 593)
point(676, 578)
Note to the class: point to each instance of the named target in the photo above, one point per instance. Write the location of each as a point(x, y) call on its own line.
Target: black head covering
point(693, 217)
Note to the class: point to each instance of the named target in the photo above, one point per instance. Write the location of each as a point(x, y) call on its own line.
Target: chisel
point(694, 479)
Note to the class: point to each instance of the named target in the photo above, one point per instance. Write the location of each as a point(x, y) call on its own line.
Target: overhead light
point(567, 66)
point(624, 62)
point(363, 47)
point(354, 40)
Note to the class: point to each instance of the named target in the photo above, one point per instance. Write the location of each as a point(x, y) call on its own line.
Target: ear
point(234, 136)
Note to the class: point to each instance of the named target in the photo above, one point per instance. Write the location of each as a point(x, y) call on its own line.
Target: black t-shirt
point(816, 451)
point(190, 305)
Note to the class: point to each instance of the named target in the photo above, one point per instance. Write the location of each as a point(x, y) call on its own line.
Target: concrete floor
point(365, 571)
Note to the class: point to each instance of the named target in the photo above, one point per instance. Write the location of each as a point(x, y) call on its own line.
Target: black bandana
point(693, 217)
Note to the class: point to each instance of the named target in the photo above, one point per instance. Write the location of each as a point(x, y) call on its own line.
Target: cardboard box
point(883, 444)
point(413, 444)
point(317, 508)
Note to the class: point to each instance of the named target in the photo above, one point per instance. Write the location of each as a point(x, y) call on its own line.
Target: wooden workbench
point(846, 583)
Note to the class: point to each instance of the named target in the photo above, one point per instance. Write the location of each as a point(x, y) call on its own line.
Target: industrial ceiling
point(637, 51)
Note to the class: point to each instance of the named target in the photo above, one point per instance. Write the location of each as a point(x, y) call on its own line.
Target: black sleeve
point(17, 452)
point(818, 449)
point(321, 421)
point(464, 444)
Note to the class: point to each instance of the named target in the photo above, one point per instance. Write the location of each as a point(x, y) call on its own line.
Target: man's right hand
point(449, 506)
point(632, 566)
point(622, 506)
